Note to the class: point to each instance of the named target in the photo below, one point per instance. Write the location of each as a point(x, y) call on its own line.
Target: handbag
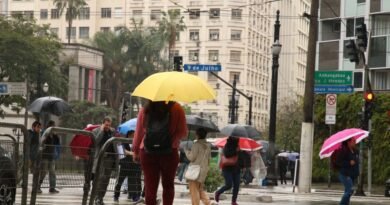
point(230, 161)
point(193, 171)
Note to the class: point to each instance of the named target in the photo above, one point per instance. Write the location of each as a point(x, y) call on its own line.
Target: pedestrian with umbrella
point(161, 124)
point(345, 157)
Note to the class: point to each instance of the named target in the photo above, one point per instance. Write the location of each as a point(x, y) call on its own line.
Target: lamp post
point(276, 48)
point(233, 103)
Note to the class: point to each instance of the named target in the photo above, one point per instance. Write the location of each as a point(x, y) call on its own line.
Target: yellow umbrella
point(174, 86)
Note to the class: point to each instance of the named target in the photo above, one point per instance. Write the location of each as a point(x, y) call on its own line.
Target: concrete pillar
point(74, 84)
point(306, 156)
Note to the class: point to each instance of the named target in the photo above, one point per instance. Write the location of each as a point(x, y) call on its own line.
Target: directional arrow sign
point(333, 78)
point(202, 67)
point(325, 89)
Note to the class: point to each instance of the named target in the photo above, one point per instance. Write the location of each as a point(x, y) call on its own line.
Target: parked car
point(7, 178)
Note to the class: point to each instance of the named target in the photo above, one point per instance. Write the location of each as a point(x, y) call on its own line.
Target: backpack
point(336, 159)
point(158, 139)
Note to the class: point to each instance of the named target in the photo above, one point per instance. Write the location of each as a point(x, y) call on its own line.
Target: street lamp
point(276, 48)
point(45, 87)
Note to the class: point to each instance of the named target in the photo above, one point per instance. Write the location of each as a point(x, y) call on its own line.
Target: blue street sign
point(202, 67)
point(3, 89)
point(329, 89)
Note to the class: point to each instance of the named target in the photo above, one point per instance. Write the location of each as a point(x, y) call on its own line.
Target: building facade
point(294, 36)
point(235, 34)
point(337, 25)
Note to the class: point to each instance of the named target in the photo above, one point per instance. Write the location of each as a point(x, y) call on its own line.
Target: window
point(328, 55)
point(72, 32)
point(119, 28)
point(352, 24)
point(214, 13)
point(233, 75)
point(194, 13)
point(106, 12)
point(54, 31)
point(104, 29)
point(194, 35)
point(236, 14)
point(137, 14)
point(361, 1)
point(235, 56)
point(214, 34)
point(194, 55)
point(16, 14)
point(177, 36)
point(84, 13)
point(378, 52)
point(55, 14)
point(235, 35)
point(155, 15)
point(29, 14)
point(44, 13)
point(118, 13)
point(84, 32)
point(213, 55)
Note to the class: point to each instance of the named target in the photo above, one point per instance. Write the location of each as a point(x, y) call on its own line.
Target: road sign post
point(330, 112)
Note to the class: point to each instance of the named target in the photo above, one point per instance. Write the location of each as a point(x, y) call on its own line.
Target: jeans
point(132, 172)
point(232, 178)
point(104, 178)
point(48, 165)
point(155, 166)
point(348, 189)
point(182, 169)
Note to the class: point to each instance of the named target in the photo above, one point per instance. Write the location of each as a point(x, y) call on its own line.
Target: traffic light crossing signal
point(368, 108)
point(352, 51)
point(177, 62)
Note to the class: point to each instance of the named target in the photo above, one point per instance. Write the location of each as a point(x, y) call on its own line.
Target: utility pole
point(233, 103)
point(305, 170)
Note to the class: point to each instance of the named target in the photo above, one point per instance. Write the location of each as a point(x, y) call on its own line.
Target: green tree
point(85, 113)
point(288, 132)
point(170, 26)
point(72, 8)
point(29, 52)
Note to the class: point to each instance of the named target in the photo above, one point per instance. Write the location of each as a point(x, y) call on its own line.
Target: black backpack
point(158, 139)
point(336, 160)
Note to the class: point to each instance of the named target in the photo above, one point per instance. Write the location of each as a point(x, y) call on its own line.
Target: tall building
point(294, 36)
point(337, 25)
point(235, 34)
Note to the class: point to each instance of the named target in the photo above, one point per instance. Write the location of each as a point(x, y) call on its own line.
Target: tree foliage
point(85, 113)
point(349, 107)
point(29, 52)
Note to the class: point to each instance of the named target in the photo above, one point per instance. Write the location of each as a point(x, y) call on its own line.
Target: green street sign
point(333, 78)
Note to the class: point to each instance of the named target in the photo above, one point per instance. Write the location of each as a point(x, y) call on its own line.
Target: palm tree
point(170, 25)
point(72, 8)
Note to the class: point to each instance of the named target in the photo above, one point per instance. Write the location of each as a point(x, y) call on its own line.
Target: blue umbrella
point(127, 126)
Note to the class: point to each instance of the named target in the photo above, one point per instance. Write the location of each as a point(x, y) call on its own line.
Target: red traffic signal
point(369, 96)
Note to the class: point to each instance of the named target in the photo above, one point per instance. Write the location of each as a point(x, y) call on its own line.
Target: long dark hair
point(231, 146)
point(157, 110)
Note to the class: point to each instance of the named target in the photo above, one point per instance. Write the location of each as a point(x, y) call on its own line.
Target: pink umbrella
point(244, 143)
point(334, 142)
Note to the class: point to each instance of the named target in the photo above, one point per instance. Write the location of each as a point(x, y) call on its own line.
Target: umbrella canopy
point(174, 86)
point(292, 156)
point(334, 142)
point(80, 144)
point(127, 126)
point(50, 104)
point(244, 143)
point(237, 130)
point(194, 122)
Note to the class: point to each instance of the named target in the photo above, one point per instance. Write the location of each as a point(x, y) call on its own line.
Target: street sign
point(202, 67)
point(324, 89)
point(333, 78)
point(331, 103)
point(13, 88)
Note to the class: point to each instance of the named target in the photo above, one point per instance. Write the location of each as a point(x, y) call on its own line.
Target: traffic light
point(361, 36)
point(177, 62)
point(352, 51)
point(369, 98)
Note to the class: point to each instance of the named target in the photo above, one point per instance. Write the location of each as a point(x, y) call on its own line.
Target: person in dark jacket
point(282, 163)
point(349, 170)
point(34, 134)
point(130, 170)
point(230, 173)
point(49, 153)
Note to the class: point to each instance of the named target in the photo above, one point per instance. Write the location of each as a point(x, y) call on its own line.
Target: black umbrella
point(240, 131)
point(194, 122)
point(50, 104)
